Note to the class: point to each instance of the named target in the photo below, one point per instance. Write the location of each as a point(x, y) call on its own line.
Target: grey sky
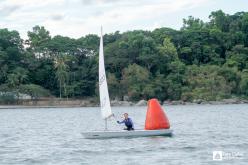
point(76, 18)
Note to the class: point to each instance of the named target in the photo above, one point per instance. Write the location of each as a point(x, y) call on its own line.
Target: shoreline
point(115, 103)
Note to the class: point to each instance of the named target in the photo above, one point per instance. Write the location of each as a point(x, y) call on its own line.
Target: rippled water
point(53, 136)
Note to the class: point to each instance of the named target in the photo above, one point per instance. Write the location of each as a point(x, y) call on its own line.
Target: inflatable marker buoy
point(155, 116)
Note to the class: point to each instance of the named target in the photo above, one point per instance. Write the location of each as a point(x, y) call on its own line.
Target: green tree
point(220, 20)
point(35, 91)
point(38, 39)
point(135, 79)
point(205, 83)
point(61, 73)
point(192, 23)
point(244, 83)
point(114, 86)
point(17, 77)
point(237, 57)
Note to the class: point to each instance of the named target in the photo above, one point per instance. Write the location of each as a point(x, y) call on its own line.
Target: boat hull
point(124, 133)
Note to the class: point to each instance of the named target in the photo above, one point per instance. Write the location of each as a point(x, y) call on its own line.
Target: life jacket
point(128, 122)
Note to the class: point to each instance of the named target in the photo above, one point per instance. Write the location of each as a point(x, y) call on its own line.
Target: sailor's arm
point(120, 122)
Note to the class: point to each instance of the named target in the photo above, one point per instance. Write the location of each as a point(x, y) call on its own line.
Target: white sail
point(103, 86)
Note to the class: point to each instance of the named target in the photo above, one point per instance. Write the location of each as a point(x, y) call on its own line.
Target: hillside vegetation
point(202, 60)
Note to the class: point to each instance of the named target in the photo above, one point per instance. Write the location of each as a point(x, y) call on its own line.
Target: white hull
point(124, 133)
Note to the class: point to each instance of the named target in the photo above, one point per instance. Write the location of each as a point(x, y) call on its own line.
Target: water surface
point(53, 136)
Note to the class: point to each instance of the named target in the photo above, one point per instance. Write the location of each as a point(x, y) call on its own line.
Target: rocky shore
point(203, 102)
point(56, 103)
point(180, 102)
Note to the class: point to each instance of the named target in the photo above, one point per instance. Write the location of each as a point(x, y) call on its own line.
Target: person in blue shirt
point(128, 122)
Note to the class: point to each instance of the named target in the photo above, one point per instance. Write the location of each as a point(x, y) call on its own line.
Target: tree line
point(202, 60)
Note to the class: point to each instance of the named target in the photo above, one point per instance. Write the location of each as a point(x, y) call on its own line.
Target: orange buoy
point(155, 116)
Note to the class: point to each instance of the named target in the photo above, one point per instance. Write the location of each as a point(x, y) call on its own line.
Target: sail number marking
point(102, 79)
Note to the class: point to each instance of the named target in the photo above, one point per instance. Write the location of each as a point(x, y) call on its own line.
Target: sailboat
point(107, 113)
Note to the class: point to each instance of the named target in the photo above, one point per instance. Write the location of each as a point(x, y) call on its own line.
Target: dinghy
point(126, 134)
point(107, 112)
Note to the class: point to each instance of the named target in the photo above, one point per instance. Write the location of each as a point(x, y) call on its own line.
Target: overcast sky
point(76, 18)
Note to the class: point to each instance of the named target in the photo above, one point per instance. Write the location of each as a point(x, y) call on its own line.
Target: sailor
point(128, 122)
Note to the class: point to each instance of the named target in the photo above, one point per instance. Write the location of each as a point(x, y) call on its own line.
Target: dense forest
point(202, 60)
